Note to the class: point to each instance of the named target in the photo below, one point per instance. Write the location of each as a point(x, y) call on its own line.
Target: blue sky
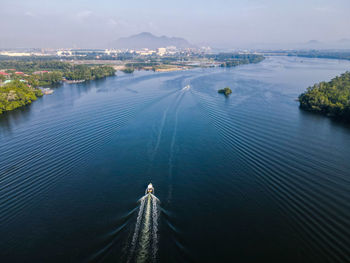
point(221, 23)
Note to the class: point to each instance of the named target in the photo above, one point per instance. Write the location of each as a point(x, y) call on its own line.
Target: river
point(249, 178)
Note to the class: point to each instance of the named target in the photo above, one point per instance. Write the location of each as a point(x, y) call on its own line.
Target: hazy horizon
point(223, 24)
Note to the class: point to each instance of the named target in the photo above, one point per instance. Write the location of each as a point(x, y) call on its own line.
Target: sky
point(218, 23)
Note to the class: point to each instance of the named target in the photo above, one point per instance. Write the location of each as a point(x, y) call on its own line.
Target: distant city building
point(15, 54)
point(22, 54)
point(64, 53)
point(145, 52)
point(110, 52)
point(161, 51)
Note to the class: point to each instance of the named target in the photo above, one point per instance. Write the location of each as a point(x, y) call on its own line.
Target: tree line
point(322, 54)
point(84, 72)
point(330, 98)
point(17, 94)
point(235, 59)
point(57, 71)
point(22, 89)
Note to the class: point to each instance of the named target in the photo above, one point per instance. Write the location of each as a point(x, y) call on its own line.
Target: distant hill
point(148, 40)
point(315, 44)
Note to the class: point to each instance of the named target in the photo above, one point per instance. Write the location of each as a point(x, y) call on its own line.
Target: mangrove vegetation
point(331, 98)
point(226, 91)
point(235, 59)
point(19, 80)
point(17, 94)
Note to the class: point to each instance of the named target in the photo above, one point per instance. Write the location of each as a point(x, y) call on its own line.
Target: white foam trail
point(145, 237)
point(160, 132)
point(172, 146)
point(145, 233)
point(154, 197)
point(162, 123)
point(155, 216)
point(165, 113)
point(137, 227)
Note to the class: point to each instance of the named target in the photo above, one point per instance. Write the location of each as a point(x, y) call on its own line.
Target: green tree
point(227, 91)
point(17, 94)
point(331, 98)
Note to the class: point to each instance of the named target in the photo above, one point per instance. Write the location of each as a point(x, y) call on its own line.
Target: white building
point(161, 51)
point(145, 52)
point(64, 53)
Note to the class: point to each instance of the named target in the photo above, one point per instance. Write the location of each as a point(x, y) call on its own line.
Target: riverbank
point(17, 94)
point(78, 162)
point(20, 88)
point(20, 80)
point(177, 63)
point(73, 81)
point(37, 73)
point(329, 98)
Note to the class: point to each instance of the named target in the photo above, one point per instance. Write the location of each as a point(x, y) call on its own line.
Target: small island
point(28, 74)
point(330, 98)
point(227, 91)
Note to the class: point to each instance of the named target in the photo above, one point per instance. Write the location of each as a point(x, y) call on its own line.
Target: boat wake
point(187, 87)
point(144, 244)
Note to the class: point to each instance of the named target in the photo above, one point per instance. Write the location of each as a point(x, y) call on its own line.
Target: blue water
point(249, 178)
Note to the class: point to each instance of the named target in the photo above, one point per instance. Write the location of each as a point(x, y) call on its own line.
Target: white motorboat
point(150, 189)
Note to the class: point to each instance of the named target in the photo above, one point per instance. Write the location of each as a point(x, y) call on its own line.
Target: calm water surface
point(250, 178)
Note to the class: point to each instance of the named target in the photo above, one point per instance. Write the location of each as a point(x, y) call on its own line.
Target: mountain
point(335, 44)
point(148, 40)
point(314, 44)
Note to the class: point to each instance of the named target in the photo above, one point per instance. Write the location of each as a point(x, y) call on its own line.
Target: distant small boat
point(186, 87)
point(150, 189)
point(47, 91)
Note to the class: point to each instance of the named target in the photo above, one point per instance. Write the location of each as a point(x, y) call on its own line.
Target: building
point(64, 53)
point(40, 72)
point(161, 51)
point(15, 54)
point(145, 52)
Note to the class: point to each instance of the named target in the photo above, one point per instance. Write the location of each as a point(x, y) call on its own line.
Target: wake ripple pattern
point(144, 244)
point(318, 220)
